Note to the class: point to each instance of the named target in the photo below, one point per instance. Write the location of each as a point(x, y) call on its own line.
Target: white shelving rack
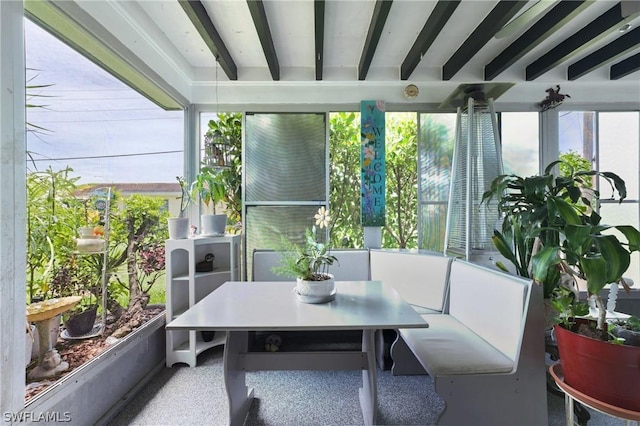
point(185, 287)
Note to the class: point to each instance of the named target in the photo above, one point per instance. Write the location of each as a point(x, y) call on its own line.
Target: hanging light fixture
point(217, 147)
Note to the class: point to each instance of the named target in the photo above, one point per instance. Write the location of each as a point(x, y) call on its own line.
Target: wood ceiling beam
point(318, 16)
point(578, 42)
point(492, 23)
point(199, 17)
point(436, 21)
point(614, 50)
point(256, 8)
point(378, 19)
point(559, 16)
point(624, 68)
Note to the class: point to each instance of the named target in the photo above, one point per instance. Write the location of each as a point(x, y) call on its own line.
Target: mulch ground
point(79, 352)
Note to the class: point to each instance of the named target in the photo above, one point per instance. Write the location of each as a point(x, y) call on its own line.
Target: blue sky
point(98, 126)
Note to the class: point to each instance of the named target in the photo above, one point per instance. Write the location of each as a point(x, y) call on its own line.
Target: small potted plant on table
point(309, 263)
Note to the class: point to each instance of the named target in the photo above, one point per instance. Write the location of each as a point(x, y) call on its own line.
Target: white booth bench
point(484, 347)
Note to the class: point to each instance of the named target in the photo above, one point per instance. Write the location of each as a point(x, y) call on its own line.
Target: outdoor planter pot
point(95, 392)
point(602, 370)
point(79, 324)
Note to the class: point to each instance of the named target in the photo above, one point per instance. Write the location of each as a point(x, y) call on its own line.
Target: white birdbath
point(46, 316)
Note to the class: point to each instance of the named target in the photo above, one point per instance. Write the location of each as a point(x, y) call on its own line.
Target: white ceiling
point(166, 46)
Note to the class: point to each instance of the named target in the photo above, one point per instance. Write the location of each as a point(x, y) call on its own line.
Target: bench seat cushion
point(447, 347)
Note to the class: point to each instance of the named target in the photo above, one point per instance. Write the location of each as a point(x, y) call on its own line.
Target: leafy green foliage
point(208, 187)
point(573, 161)
point(401, 183)
point(309, 261)
point(564, 301)
point(53, 215)
point(401, 229)
point(344, 180)
point(632, 323)
point(230, 179)
point(551, 228)
point(139, 225)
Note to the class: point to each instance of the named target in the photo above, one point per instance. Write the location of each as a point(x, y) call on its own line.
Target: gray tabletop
point(265, 305)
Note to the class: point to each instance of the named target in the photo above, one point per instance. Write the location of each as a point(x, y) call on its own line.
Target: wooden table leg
point(238, 394)
point(369, 389)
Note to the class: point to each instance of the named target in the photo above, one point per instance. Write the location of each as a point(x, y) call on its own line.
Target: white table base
point(237, 361)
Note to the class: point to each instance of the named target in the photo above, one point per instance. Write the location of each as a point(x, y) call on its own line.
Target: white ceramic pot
point(90, 245)
point(178, 228)
point(316, 291)
point(213, 224)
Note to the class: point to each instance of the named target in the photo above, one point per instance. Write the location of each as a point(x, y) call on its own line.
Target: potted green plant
point(535, 213)
point(179, 226)
point(557, 233)
point(592, 357)
point(208, 187)
point(77, 278)
point(227, 126)
point(309, 263)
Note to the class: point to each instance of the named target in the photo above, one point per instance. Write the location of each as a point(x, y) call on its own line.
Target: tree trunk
point(133, 317)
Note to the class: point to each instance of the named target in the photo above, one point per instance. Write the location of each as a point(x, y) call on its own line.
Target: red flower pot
point(602, 370)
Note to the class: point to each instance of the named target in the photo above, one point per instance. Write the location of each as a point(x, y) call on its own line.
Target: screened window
point(285, 177)
point(608, 141)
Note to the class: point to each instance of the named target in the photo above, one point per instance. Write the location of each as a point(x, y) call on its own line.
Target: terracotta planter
point(602, 370)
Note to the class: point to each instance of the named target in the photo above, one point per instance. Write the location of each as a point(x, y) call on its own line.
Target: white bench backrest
point(490, 303)
point(261, 264)
point(419, 277)
point(352, 265)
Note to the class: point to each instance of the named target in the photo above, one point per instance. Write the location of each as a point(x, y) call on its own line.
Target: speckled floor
point(196, 396)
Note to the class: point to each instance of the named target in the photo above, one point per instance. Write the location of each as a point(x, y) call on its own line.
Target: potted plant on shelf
point(210, 190)
point(309, 263)
point(179, 226)
point(553, 234)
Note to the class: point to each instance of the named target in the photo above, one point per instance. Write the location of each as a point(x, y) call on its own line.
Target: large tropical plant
point(551, 229)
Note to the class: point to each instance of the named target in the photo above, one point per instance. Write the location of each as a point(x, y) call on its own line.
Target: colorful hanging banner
point(372, 159)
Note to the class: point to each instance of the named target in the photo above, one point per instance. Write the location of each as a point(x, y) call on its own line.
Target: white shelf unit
point(185, 287)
